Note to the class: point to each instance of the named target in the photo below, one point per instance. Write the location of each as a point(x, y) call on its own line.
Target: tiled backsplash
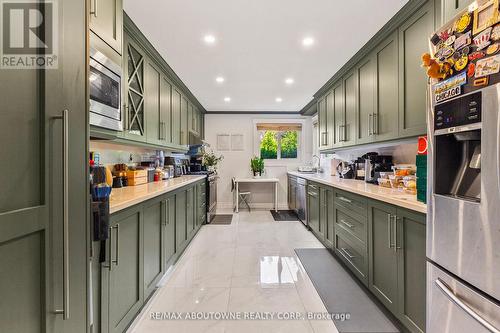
point(402, 152)
point(112, 153)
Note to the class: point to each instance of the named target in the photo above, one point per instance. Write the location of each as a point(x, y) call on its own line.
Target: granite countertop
point(388, 195)
point(125, 197)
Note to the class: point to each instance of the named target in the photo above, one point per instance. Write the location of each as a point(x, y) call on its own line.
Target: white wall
point(237, 163)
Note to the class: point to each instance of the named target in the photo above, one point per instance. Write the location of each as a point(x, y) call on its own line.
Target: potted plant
point(210, 160)
point(257, 166)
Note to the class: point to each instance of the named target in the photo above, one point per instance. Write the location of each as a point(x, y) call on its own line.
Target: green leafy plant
point(209, 159)
point(269, 145)
point(257, 165)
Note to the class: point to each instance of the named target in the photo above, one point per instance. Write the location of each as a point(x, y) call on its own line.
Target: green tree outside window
point(274, 145)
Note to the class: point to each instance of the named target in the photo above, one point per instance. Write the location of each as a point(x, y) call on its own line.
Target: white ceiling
point(258, 45)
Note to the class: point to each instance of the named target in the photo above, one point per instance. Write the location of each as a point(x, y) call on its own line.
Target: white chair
point(244, 196)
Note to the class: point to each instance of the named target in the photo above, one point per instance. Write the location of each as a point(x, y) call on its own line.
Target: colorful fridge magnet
point(450, 40)
point(492, 49)
point(485, 16)
point(449, 88)
point(463, 22)
point(445, 34)
point(483, 39)
point(435, 40)
point(495, 33)
point(461, 62)
point(444, 52)
point(471, 70)
point(488, 66)
point(476, 55)
point(463, 40)
point(480, 82)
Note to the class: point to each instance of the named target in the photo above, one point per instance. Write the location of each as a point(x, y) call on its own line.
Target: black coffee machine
point(375, 164)
point(177, 163)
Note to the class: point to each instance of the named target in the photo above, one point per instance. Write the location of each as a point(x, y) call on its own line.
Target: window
point(279, 141)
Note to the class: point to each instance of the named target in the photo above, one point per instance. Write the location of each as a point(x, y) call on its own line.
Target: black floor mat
point(222, 219)
point(341, 294)
point(284, 215)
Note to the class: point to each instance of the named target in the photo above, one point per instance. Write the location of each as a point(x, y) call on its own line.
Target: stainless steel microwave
point(105, 92)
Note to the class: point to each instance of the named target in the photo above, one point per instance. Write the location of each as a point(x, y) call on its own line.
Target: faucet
point(318, 168)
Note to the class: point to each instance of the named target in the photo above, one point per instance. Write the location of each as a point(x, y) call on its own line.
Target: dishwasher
point(301, 207)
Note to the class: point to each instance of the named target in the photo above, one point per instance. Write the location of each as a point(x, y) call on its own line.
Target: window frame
point(300, 140)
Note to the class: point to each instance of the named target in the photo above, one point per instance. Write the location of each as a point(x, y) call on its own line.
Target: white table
point(256, 181)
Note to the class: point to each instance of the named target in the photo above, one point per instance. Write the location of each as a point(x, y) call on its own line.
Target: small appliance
point(105, 91)
point(176, 163)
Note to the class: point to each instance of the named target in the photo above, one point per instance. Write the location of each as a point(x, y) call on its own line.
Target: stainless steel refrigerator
point(463, 218)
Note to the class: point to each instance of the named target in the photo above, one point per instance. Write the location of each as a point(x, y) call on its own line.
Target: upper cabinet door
point(451, 8)
point(330, 118)
point(385, 116)
point(350, 107)
point(155, 134)
point(166, 109)
point(184, 120)
point(338, 116)
point(413, 41)
point(322, 119)
point(176, 116)
point(366, 100)
point(135, 128)
point(106, 21)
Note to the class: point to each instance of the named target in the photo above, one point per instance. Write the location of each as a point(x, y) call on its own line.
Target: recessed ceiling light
point(219, 79)
point(279, 99)
point(289, 81)
point(308, 41)
point(209, 39)
point(227, 99)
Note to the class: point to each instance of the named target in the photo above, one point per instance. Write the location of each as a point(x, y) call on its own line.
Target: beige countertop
point(125, 197)
point(391, 196)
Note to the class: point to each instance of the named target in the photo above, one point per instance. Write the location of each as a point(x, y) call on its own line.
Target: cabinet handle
point(345, 199)
point(164, 131)
point(117, 245)
point(465, 307)
point(312, 194)
point(370, 124)
point(396, 246)
point(349, 225)
point(166, 212)
point(160, 136)
point(65, 152)
point(110, 241)
point(389, 231)
point(346, 252)
point(93, 11)
point(375, 123)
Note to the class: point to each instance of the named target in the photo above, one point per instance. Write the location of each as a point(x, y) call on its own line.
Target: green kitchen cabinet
point(201, 204)
point(451, 8)
point(323, 123)
point(176, 116)
point(154, 239)
point(180, 221)
point(106, 21)
point(169, 231)
point(313, 207)
point(348, 126)
point(330, 119)
point(122, 273)
point(134, 92)
point(385, 116)
point(383, 256)
point(292, 192)
point(153, 111)
point(413, 42)
point(397, 261)
point(411, 238)
point(338, 119)
point(166, 110)
point(329, 230)
point(365, 71)
point(323, 214)
point(43, 250)
point(184, 120)
point(190, 212)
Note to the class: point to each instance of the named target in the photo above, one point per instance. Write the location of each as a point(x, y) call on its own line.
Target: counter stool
point(244, 196)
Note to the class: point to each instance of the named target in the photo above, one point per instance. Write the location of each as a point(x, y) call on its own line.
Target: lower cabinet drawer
point(353, 253)
point(354, 227)
point(352, 202)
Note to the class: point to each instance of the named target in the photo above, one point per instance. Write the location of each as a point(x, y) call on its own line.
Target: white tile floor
point(248, 266)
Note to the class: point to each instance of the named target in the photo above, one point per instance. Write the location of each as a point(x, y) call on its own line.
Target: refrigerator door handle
point(461, 304)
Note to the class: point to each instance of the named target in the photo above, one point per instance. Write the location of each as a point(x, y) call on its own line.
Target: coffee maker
point(176, 163)
point(374, 165)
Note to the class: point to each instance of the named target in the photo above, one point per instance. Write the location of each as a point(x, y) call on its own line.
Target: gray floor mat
point(341, 294)
point(222, 219)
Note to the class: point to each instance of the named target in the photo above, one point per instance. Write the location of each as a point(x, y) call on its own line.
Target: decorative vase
point(257, 174)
